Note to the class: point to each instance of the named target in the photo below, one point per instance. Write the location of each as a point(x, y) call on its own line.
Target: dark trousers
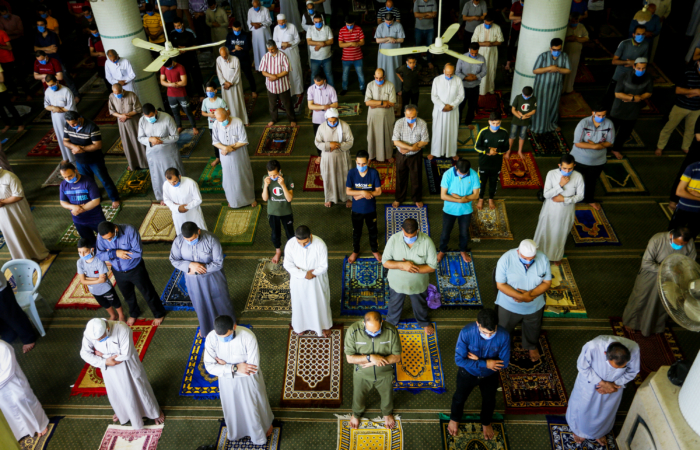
point(609, 98)
point(175, 104)
point(87, 231)
point(138, 278)
point(623, 131)
point(590, 178)
point(14, 322)
point(692, 156)
point(448, 222)
point(471, 99)
point(101, 74)
point(466, 382)
point(203, 31)
point(683, 218)
point(99, 169)
point(109, 299)
point(409, 166)
point(277, 223)
point(247, 70)
point(316, 125)
point(419, 303)
point(195, 82)
point(531, 325)
point(14, 78)
point(512, 45)
point(358, 220)
point(6, 103)
point(467, 40)
point(410, 97)
point(286, 99)
point(490, 177)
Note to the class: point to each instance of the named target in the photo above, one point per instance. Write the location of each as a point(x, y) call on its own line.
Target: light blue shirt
point(460, 186)
point(511, 271)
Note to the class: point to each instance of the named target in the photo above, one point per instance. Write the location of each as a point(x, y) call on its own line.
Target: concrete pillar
point(543, 20)
point(119, 21)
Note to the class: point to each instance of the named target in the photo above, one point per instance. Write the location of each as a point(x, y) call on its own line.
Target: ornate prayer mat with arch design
point(521, 173)
point(313, 181)
point(273, 441)
point(370, 435)
point(619, 177)
point(126, 438)
point(237, 226)
point(395, 217)
point(175, 296)
point(158, 225)
point(47, 146)
point(277, 141)
point(591, 227)
point(420, 368)
point(77, 296)
point(314, 370)
point(134, 183)
point(71, 236)
point(364, 287)
point(562, 438)
point(40, 443)
point(490, 223)
point(270, 289)
point(470, 436)
point(210, 179)
point(456, 281)
point(563, 298)
point(434, 169)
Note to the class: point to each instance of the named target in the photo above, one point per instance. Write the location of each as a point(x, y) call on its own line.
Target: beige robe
point(129, 131)
point(490, 54)
point(230, 70)
point(17, 223)
point(380, 121)
point(573, 49)
point(334, 163)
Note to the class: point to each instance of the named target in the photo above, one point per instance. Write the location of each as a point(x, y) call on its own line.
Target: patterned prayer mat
point(210, 179)
point(296, 104)
point(533, 388)
point(175, 296)
point(362, 5)
point(364, 287)
point(598, 52)
point(250, 102)
point(71, 236)
point(434, 168)
point(656, 350)
point(44, 117)
point(466, 138)
point(47, 146)
point(40, 443)
point(619, 177)
point(420, 368)
point(54, 179)
point(134, 183)
point(313, 181)
point(90, 382)
point(591, 227)
point(489, 103)
point(13, 139)
point(667, 211)
point(277, 141)
point(237, 226)
point(196, 109)
point(187, 142)
point(77, 296)
point(94, 85)
point(584, 75)
point(659, 77)
point(426, 76)
point(370, 435)
point(395, 216)
point(517, 173)
point(634, 141)
point(470, 436)
point(158, 225)
point(387, 173)
point(551, 143)
point(650, 109)
point(273, 441)
point(490, 223)
point(126, 438)
point(270, 289)
point(562, 438)
point(314, 370)
point(2, 240)
point(563, 298)
point(456, 281)
point(344, 110)
point(104, 117)
point(117, 148)
point(573, 105)
point(398, 106)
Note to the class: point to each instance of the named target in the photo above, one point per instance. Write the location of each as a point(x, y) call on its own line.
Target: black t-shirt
point(85, 135)
point(184, 39)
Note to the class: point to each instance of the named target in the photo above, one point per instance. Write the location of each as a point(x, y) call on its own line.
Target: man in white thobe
point(17, 400)
point(380, 98)
point(182, 196)
point(606, 364)
point(306, 260)
point(290, 9)
point(59, 100)
point(489, 36)
point(563, 188)
point(119, 71)
point(447, 94)
point(334, 139)
point(286, 36)
point(109, 346)
point(231, 354)
point(259, 21)
point(228, 70)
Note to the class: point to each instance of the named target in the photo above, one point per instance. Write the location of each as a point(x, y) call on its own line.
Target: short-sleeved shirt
point(512, 272)
point(580, 7)
point(275, 64)
point(6, 56)
point(358, 342)
point(422, 7)
point(471, 10)
point(691, 175)
point(210, 106)
point(586, 131)
point(525, 107)
point(324, 95)
point(461, 186)
point(394, 10)
point(517, 10)
point(369, 182)
point(79, 193)
point(96, 43)
point(277, 204)
point(356, 35)
point(321, 35)
point(155, 27)
point(51, 38)
point(410, 77)
point(633, 85)
point(629, 50)
point(87, 135)
point(403, 132)
point(52, 67)
point(174, 75)
point(690, 80)
point(93, 269)
point(486, 140)
point(422, 252)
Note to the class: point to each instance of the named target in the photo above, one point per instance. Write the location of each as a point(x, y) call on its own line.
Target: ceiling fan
point(166, 52)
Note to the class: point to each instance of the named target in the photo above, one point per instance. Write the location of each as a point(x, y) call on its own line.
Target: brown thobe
point(129, 131)
point(17, 223)
point(380, 121)
point(334, 163)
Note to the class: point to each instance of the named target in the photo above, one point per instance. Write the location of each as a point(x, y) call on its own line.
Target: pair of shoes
point(343, 92)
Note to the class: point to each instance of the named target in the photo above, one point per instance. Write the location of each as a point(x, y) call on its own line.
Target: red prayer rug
point(313, 181)
point(119, 437)
point(522, 173)
point(489, 103)
point(387, 173)
point(47, 146)
point(104, 117)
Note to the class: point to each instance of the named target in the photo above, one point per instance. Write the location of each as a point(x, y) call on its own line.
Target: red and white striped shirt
point(356, 35)
point(275, 64)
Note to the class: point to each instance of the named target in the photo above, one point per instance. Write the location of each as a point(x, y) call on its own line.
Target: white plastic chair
point(27, 294)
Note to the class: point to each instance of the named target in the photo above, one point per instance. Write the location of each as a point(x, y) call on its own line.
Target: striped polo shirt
point(274, 64)
point(691, 80)
point(692, 177)
point(356, 35)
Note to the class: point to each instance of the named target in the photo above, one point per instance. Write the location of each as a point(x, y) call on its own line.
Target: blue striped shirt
point(691, 80)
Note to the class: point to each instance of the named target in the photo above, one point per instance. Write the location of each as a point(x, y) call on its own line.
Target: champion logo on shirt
point(277, 191)
point(525, 107)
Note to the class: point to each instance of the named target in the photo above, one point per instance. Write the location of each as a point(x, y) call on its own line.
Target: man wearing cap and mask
point(307, 17)
point(522, 277)
point(380, 98)
point(231, 353)
point(109, 346)
point(334, 139)
point(286, 36)
point(181, 195)
point(623, 60)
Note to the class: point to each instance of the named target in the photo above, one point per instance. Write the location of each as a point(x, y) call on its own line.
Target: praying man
point(380, 98)
point(287, 39)
point(447, 94)
point(390, 35)
point(306, 260)
point(181, 195)
point(109, 346)
point(606, 364)
point(59, 100)
point(489, 36)
point(549, 70)
point(125, 106)
point(334, 139)
point(228, 71)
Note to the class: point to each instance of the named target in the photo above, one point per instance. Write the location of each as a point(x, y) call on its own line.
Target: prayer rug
point(210, 181)
point(470, 435)
point(313, 181)
point(94, 85)
point(584, 75)
point(517, 173)
point(490, 223)
point(395, 216)
point(117, 148)
point(104, 117)
point(489, 103)
point(196, 109)
point(47, 146)
point(591, 227)
point(134, 183)
point(364, 287)
point(273, 441)
point(562, 438)
point(270, 289)
point(71, 236)
point(659, 77)
point(90, 382)
point(158, 225)
point(598, 52)
point(398, 106)
point(277, 141)
point(426, 75)
point(344, 110)
point(13, 139)
point(667, 211)
point(126, 438)
point(237, 226)
point(656, 350)
point(434, 169)
point(456, 281)
point(77, 296)
point(175, 296)
point(362, 6)
point(573, 105)
point(250, 102)
point(313, 377)
point(370, 435)
point(54, 179)
point(40, 443)
point(187, 142)
point(420, 368)
point(634, 141)
point(619, 177)
point(563, 298)
point(650, 109)
point(387, 173)
point(551, 143)
point(296, 105)
point(2, 240)
point(43, 117)
point(532, 387)
point(466, 138)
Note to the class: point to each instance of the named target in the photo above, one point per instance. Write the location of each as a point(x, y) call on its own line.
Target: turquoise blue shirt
point(460, 186)
point(511, 271)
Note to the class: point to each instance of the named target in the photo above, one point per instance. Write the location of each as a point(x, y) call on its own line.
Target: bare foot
point(399, 93)
point(617, 154)
point(158, 321)
point(628, 329)
point(440, 255)
point(255, 95)
point(419, 204)
point(685, 150)
point(578, 439)
point(466, 257)
point(488, 432)
point(294, 124)
point(77, 100)
point(269, 124)
point(480, 204)
point(389, 421)
point(199, 333)
point(471, 127)
point(429, 330)
point(26, 348)
point(395, 204)
point(556, 263)
point(377, 256)
point(269, 431)
point(130, 321)
point(353, 257)
point(603, 441)
point(453, 428)
point(278, 254)
point(160, 419)
point(112, 316)
point(21, 128)
point(558, 128)
point(215, 162)
point(534, 355)
point(595, 206)
point(254, 204)
point(348, 204)
point(431, 66)
point(299, 334)
point(5, 129)
point(391, 160)
point(328, 204)
point(455, 158)
point(672, 206)
point(116, 204)
point(659, 151)
point(42, 433)
point(317, 160)
point(115, 419)
point(492, 204)
point(122, 318)
point(195, 131)
point(354, 423)
point(162, 203)
point(179, 130)
point(430, 157)
point(326, 333)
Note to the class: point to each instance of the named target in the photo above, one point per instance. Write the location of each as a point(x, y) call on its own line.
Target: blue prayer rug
point(420, 368)
point(395, 216)
point(187, 142)
point(2, 240)
point(175, 296)
point(592, 227)
point(562, 438)
point(457, 282)
point(364, 287)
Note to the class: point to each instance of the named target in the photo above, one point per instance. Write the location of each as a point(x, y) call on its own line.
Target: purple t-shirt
point(81, 193)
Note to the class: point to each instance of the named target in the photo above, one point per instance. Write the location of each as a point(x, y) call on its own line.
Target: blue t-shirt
point(171, 15)
point(460, 186)
point(369, 182)
point(692, 177)
point(81, 193)
point(511, 271)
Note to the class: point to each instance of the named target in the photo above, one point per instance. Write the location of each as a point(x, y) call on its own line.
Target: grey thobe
point(17, 223)
point(334, 163)
point(4, 162)
point(236, 171)
point(573, 50)
point(63, 98)
point(134, 151)
point(389, 63)
point(380, 121)
point(230, 70)
point(548, 92)
point(644, 310)
point(163, 156)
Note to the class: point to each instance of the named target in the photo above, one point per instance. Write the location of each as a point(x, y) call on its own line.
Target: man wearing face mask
point(217, 21)
point(119, 71)
point(389, 9)
point(380, 98)
point(319, 40)
point(447, 92)
point(59, 100)
point(515, 16)
point(182, 38)
point(491, 144)
point(490, 37)
point(644, 311)
point(410, 137)
point(94, 275)
point(197, 253)
point(549, 69)
point(259, 22)
point(351, 39)
point(320, 98)
point(228, 70)
point(97, 51)
point(390, 35)
point(471, 75)
point(181, 195)
point(625, 55)
point(80, 195)
point(686, 109)
point(287, 39)
point(307, 17)
point(334, 139)
point(458, 188)
point(239, 44)
point(364, 185)
point(473, 14)
point(278, 192)
point(576, 36)
point(126, 107)
point(46, 40)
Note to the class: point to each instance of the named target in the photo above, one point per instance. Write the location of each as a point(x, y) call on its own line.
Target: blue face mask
point(44, 16)
point(350, 27)
point(487, 26)
point(412, 121)
point(119, 96)
point(54, 87)
point(114, 237)
point(225, 122)
point(88, 16)
point(211, 94)
point(409, 240)
point(152, 119)
point(493, 128)
point(362, 169)
point(179, 30)
point(41, 29)
point(318, 25)
point(86, 257)
point(379, 82)
point(639, 73)
point(237, 33)
point(150, 13)
point(556, 53)
point(274, 178)
point(675, 246)
point(389, 9)
point(461, 175)
point(638, 38)
point(488, 338)
point(6, 16)
point(332, 125)
point(170, 68)
point(599, 119)
point(73, 180)
point(525, 261)
point(311, 12)
point(573, 25)
point(104, 338)
point(193, 241)
point(388, 25)
point(228, 338)
point(256, 9)
point(448, 78)
point(373, 333)
point(177, 184)
point(307, 245)
point(283, 26)
point(527, 98)
point(95, 34)
point(45, 61)
point(565, 174)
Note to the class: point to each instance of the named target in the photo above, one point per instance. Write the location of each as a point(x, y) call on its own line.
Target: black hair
point(172, 172)
point(488, 319)
point(236, 24)
point(318, 16)
point(149, 7)
point(350, 19)
point(567, 158)
point(84, 243)
point(488, 18)
point(211, 84)
point(527, 90)
point(410, 226)
point(618, 353)
point(273, 164)
point(600, 107)
point(575, 15)
point(50, 78)
point(641, 27)
point(105, 228)
point(41, 19)
point(495, 115)
point(39, 53)
point(211, 2)
point(413, 57)
point(92, 26)
point(189, 229)
point(463, 165)
point(148, 108)
point(222, 324)
point(556, 42)
point(66, 165)
point(474, 46)
point(682, 232)
point(302, 232)
point(71, 115)
point(362, 154)
point(320, 77)
point(388, 16)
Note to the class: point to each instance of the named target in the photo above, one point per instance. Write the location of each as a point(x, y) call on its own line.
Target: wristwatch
point(234, 369)
point(382, 103)
point(368, 359)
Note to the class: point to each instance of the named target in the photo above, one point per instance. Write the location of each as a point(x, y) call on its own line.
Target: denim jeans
point(100, 170)
point(346, 73)
point(448, 221)
point(327, 69)
point(425, 37)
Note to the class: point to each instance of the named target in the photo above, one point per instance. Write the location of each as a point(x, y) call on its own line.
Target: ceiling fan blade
point(137, 42)
point(463, 57)
point(156, 64)
point(402, 51)
point(454, 28)
point(205, 45)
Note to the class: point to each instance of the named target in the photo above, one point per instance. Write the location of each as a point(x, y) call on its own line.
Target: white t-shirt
point(596, 5)
point(321, 35)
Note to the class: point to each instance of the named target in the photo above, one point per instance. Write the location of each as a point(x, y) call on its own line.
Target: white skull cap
point(96, 328)
point(331, 112)
point(527, 248)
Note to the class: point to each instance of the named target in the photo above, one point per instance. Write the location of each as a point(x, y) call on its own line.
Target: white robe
point(18, 403)
point(128, 389)
point(230, 70)
point(446, 124)
point(186, 194)
point(557, 218)
point(236, 171)
point(334, 163)
point(290, 35)
point(243, 397)
point(481, 34)
point(262, 34)
point(163, 156)
point(63, 97)
point(311, 309)
point(291, 12)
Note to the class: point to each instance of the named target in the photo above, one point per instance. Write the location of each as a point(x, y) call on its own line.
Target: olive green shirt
point(422, 252)
point(358, 342)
